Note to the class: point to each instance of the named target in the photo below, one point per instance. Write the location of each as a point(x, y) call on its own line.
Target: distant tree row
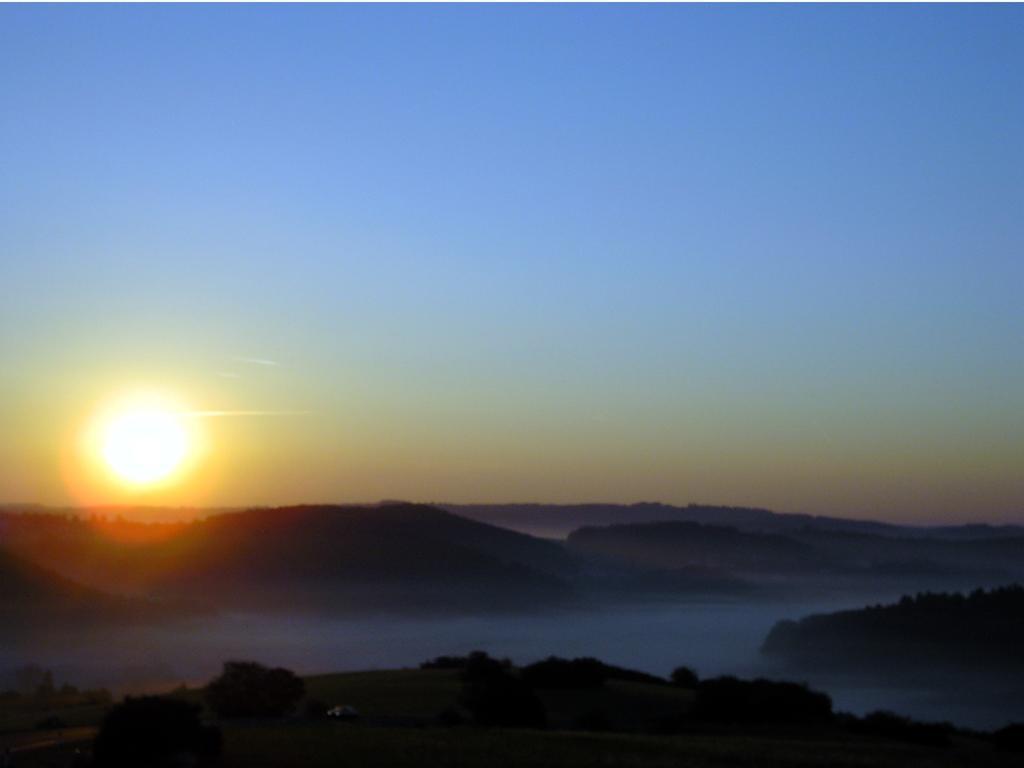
point(35, 682)
point(496, 693)
point(936, 633)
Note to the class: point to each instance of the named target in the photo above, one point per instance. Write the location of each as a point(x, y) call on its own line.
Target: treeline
point(928, 633)
point(555, 672)
point(34, 689)
point(497, 693)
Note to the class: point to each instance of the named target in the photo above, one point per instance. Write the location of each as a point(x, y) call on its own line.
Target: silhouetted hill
point(36, 600)
point(930, 635)
point(402, 557)
point(998, 558)
point(558, 520)
point(796, 560)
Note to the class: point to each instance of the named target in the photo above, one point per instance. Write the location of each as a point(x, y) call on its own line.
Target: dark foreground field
point(399, 726)
point(361, 746)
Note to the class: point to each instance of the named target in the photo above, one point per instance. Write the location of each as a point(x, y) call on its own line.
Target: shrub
point(891, 726)
point(154, 731)
point(479, 665)
point(445, 662)
point(248, 689)
point(727, 699)
point(496, 696)
point(554, 672)
point(684, 677)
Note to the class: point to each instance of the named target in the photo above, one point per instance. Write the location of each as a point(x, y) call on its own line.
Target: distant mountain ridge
point(806, 559)
point(559, 520)
point(403, 557)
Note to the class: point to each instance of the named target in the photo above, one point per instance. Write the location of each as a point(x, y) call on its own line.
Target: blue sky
point(747, 254)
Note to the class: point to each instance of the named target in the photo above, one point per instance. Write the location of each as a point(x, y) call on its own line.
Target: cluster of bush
point(888, 725)
point(731, 700)
point(446, 662)
point(555, 672)
point(247, 689)
point(155, 731)
point(496, 693)
point(165, 730)
point(587, 672)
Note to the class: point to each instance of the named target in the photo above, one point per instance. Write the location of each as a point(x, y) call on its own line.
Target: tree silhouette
point(496, 695)
point(248, 689)
point(154, 731)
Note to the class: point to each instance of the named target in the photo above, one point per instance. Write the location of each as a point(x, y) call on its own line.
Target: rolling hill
point(417, 558)
point(559, 520)
point(851, 560)
point(35, 600)
point(392, 557)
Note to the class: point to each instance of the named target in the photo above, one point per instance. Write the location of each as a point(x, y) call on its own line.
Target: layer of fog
point(712, 637)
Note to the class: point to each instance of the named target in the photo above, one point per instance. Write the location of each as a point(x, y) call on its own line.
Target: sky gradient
point(744, 254)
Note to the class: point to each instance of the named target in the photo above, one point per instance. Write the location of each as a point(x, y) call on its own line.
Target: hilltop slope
point(559, 520)
point(797, 559)
point(35, 600)
point(401, 556)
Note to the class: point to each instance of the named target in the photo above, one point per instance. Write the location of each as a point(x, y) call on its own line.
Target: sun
point(139, 444)
point(144, 444)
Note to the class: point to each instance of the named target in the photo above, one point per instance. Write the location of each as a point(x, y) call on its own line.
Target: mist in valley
point(712, 636)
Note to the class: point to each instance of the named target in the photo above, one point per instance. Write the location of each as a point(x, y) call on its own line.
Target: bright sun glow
point(145, 444)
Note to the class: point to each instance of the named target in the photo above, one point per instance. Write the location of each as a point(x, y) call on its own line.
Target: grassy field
point(338, 746)
point(401, 693)
point(424, 694)
point(399, 728)
point(23, 718)
point(420, 695)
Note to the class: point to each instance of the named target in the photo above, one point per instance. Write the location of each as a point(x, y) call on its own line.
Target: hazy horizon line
point(10, 506)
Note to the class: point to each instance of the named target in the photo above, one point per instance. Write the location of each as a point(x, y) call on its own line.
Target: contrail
point(255, 360)
point(209, 414)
